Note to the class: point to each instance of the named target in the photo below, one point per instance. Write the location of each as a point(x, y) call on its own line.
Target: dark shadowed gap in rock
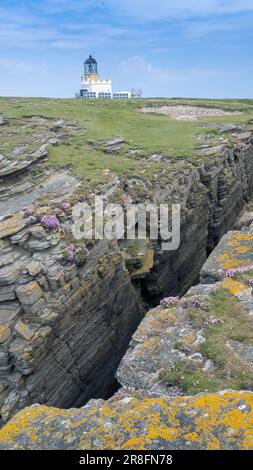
point(149, 303)
point(152, 301)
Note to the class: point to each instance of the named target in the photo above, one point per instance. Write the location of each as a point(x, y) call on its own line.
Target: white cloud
point(14, 34)
point(138, 66)
point(70, 25)
point(195, 81)
point(148, 10)
point(61, 6)
point(207, 26)
point(21, 67)
point(164, 9)
point(75, 43)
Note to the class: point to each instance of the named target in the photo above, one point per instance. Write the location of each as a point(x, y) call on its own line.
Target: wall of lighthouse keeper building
point(63, 331)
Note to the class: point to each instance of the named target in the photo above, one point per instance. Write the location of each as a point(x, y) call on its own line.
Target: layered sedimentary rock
point(211, 198)
point(64, 322)
point(195, 345)
point(63, 328)
point(65, 318)
point(24, 144)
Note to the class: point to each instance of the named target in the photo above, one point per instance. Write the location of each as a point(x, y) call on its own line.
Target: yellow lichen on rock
point(11, 225)
point(231, 261)
point(234, 251)
point(134, 421)
point(234, 287)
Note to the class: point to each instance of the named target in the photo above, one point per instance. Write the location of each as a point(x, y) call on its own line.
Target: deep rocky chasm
point(64, 329)
point(186, 378)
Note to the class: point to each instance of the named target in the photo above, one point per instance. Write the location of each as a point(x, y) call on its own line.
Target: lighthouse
point(92, 85)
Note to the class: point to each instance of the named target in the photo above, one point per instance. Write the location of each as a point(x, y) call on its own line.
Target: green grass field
point(101, 120)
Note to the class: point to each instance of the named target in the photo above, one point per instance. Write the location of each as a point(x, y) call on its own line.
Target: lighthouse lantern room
point(91, 69)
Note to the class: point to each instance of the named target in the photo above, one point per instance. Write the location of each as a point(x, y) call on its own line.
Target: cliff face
point(62, 335)
point(64, 327)
point(199, 344)
point(211, 198)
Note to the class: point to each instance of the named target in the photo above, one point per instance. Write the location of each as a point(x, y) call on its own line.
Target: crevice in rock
point(227, 192)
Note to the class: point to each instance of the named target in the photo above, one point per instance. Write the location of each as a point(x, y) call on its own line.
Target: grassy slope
point(100, 120)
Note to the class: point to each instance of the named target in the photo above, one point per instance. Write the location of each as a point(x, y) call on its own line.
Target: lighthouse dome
point(90, 60)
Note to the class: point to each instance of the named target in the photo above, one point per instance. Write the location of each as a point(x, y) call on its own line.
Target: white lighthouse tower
point(92, 86)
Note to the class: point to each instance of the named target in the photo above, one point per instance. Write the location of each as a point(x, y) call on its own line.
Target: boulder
point(234, 252)
point(244, 220)
point(8, 312)
point(29, 293)
point(11, 225)
point(5, 334)
point(24, 330)
point(218, 421)
point(10, 273)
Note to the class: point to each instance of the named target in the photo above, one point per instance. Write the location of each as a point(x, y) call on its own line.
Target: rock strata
point(182, 351)
point(62, 332)
point(68, 310)
point(211, 198)
point(24, 144)
point(68, 323)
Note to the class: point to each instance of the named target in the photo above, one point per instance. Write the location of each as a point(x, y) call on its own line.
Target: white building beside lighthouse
point(93, 87)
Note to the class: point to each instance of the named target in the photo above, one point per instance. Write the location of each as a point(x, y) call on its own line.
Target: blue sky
point(190, 48)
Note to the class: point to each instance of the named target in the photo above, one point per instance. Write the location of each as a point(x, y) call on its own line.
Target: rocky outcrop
point(187, 112)
point(182, 351)
point(64, 323)
point(63, 327)
point(221, 421)
point(203, 341)
point(66, 320)
point(233, 253)
point(25, 143)
point(211, 198)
